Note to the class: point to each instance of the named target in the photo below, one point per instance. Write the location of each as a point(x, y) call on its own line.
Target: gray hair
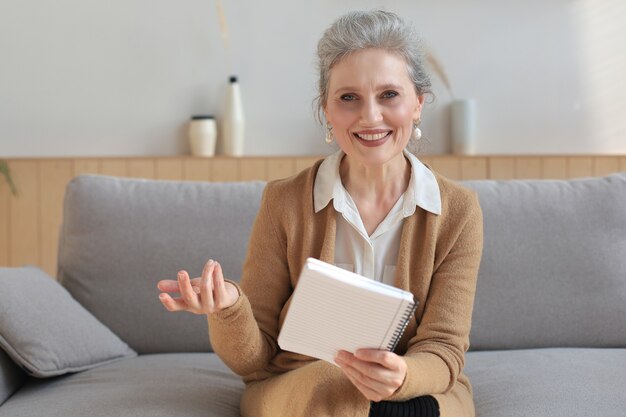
point(359, 30)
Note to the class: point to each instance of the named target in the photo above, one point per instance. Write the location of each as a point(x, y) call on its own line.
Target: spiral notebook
point(333, 309)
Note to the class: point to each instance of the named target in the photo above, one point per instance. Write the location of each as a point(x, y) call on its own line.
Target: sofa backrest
point(553, 271)
point(121, 236)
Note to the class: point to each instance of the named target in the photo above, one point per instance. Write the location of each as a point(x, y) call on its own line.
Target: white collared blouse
point(372, 256)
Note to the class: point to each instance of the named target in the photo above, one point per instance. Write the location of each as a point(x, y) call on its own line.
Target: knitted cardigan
point(438, 262)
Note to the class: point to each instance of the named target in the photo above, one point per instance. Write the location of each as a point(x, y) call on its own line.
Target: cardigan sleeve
point(245, 334)
point(436, 354)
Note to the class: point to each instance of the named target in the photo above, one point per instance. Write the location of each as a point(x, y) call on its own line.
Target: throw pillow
point(48, 333)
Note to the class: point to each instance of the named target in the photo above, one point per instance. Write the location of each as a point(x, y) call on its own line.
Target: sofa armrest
point(11, 377)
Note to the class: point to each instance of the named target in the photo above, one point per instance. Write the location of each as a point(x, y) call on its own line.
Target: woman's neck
point(378, 182)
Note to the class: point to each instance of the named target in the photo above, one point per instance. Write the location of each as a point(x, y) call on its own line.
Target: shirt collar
point(423, 190)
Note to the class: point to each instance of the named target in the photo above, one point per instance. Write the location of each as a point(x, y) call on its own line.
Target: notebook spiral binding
point(397, 334)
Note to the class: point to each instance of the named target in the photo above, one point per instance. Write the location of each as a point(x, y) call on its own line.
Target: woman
point(391, 219)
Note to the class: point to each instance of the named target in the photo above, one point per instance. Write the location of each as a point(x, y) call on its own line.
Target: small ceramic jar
point(202, 135)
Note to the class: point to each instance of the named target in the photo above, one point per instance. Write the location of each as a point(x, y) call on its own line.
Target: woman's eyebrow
point(342, 89)
point(390, 87)
point(381, 87)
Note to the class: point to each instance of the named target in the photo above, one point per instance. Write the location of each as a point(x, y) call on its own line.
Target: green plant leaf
point(6, 173)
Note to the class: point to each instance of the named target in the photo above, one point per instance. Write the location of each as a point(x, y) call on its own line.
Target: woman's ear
point(326, 115)
point(418, 108)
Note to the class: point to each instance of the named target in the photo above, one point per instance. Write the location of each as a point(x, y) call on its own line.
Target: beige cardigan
point(438, 262)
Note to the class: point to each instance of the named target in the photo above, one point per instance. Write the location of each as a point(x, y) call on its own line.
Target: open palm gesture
point(203, 295)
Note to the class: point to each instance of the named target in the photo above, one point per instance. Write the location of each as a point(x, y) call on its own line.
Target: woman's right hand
point(203, 295)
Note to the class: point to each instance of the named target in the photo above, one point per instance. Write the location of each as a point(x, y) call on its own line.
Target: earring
point(329, 134)
point(417, 133)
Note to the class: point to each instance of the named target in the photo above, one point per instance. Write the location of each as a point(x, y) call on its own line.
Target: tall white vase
point(464, 126)
point(233, 126)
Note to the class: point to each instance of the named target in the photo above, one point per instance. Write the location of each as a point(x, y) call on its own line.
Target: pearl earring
point(417, 133)
point(329, 134)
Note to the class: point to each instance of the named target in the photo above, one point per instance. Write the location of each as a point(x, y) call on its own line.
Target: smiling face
point(372, 105)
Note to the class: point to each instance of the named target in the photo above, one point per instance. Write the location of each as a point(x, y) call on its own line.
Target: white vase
point(463, 117)
point(233, 126)
point(202, 135)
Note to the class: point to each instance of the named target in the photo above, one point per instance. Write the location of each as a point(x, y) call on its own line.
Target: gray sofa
point(549, 326)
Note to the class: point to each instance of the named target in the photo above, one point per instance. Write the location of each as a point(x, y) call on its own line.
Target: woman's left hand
point(376, 373)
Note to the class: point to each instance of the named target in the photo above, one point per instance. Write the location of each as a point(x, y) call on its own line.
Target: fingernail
point(161, 296)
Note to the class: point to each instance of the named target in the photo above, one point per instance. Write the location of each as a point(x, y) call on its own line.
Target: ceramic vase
point(202, 135)
point(463, 117)
point(233, 127)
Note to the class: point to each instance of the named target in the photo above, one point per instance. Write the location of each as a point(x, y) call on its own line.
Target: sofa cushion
point(553, 271)
point(11, 377)
point(46, 332)
point(173, 384)
point(556, 382)
point(120, 236)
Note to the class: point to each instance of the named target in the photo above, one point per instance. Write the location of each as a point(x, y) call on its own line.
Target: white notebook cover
point(334, 309)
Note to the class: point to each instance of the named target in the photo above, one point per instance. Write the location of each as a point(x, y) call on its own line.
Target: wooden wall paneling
point(278, 168)
point(5, 192)
point(528, 168)
point(29, 223)
point(24, 224)
point(197, 169)
point(449, 167)
point(473, 168)
point(86, 166)
point(304, 163)
point(605, 165)
point(579, 167)
point(251, 169)
point(114, 167)
point(225, 169)
point(501, 168)
point(53, 178)
point(142, 168)
point(169, 169)
point(554, 167)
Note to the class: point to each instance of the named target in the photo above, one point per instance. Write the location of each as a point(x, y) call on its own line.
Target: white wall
point(96, 78)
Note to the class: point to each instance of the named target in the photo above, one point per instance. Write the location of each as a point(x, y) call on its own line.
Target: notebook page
point(328, 314)
point(356, 279)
